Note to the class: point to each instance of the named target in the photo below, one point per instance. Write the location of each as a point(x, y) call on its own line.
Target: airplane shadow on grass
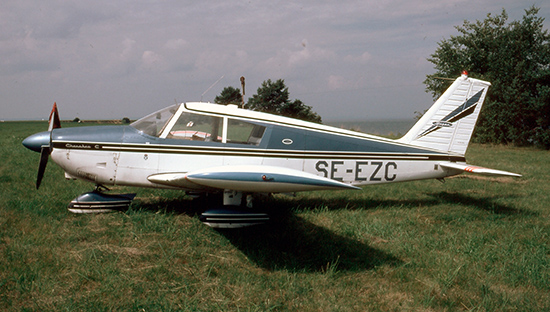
point(287, 242)
point(485, 203)
point(296, 245)
point(292, 243)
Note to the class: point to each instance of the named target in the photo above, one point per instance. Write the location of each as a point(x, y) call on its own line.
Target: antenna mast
point(242, 97)
point(211, 86)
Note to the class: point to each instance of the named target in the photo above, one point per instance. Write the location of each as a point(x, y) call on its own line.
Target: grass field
point(472, 244)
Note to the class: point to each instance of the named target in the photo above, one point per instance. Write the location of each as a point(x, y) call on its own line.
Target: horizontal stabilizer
point(476, 169)
point(263, 179)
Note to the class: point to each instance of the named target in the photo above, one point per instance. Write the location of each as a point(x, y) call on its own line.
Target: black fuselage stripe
point(132, 148)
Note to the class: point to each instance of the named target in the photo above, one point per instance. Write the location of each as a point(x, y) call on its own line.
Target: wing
point(261, 179)
point(476, 169)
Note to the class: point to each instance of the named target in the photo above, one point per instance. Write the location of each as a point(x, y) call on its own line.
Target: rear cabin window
point(242, 132)
point(197, 128)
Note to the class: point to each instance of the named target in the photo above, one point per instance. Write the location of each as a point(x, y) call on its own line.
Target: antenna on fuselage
point(242, 96)
point(211, 86)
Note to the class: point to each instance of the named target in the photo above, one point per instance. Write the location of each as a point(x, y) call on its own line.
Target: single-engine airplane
point(204, 147)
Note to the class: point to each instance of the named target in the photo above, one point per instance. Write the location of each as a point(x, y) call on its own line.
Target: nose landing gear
point(97, 201)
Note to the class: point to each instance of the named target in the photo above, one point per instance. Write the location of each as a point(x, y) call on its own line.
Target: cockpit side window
point(154, 123)
point(242, 132)
point(197, 128)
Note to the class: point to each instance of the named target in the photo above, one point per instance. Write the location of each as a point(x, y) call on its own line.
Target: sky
point(348, 60)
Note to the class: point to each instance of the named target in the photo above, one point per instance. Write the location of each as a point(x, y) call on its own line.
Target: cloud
point(288, 60)
point(176, 44)
point(336, 82)
point(150, 60)
point(362, 59)
point(128, 46)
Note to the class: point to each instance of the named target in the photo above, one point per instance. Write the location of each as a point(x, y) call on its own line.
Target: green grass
point(472, 243)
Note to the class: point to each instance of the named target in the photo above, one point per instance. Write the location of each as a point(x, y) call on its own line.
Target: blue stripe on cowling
point(272, 177)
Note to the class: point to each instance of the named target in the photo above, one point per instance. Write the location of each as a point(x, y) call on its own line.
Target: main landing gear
point(236, 211)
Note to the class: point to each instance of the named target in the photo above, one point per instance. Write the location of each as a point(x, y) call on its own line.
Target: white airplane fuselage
point(124, 155)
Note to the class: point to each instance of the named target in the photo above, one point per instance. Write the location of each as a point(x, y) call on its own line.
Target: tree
point(229, 95)
point(273, 97)
point(515, 58)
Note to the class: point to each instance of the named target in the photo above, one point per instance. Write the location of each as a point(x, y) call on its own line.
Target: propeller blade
point(44, 155)
point(54, 121)
point(45, 150)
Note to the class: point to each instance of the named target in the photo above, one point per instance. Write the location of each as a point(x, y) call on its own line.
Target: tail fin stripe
point(460, 112)
point(469, 105)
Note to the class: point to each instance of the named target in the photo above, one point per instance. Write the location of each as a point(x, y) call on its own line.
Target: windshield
point(154, 123)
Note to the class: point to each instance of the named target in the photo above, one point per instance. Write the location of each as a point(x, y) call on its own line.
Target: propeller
point(45, 152)
point(41, 142)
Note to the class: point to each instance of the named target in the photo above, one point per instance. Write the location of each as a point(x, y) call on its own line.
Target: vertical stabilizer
point(448, 125)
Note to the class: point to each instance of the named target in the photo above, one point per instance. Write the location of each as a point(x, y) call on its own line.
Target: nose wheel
point(97, 201)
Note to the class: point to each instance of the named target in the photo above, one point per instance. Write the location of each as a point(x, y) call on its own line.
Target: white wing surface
point(257, 178)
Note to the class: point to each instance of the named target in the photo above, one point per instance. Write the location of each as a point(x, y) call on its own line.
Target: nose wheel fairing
point(97, 202)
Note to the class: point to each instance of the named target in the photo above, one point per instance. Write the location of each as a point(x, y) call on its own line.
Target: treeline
point(515, 58)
